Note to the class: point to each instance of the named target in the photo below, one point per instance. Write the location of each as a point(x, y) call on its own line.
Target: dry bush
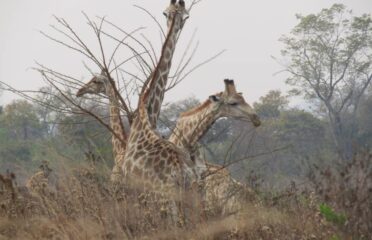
point(348, 189)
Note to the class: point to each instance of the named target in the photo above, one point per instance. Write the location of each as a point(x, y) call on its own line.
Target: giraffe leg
point(200, 191)
point(172, 205)
point(116, 174)
point(169, 210)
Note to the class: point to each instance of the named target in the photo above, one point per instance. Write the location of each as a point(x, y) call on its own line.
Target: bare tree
point(127, 75)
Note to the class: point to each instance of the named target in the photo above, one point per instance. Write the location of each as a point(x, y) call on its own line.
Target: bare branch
point(153, 18)
point(179, 79)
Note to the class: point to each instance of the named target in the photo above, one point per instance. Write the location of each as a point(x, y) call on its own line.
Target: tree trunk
point(341, 140)
point(25, 132)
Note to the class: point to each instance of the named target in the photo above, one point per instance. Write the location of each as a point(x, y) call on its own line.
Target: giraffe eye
point(233, 104)
point(97, 82)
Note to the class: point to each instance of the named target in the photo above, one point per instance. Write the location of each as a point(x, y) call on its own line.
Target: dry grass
point(82, 204)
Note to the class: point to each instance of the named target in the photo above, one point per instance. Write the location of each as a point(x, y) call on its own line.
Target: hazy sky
point(248, 30)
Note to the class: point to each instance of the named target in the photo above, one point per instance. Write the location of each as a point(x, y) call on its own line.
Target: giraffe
point(102, 84)
point(152, 162)
point(176, 15)
point(8, 186)
point(193, 124)
point(222, 192)
point(39, 182)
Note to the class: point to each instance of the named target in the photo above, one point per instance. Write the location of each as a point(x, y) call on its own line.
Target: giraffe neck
point(192, 125)
point(119, 139)
point(159, 78)
point(144, 123)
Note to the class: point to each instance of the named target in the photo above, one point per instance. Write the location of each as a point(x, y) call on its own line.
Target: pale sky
point(248, 30)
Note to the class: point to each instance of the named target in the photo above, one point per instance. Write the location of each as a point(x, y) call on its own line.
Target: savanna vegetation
point(305, 173)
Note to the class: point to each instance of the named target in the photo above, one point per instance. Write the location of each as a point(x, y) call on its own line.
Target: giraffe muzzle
point(255, 120)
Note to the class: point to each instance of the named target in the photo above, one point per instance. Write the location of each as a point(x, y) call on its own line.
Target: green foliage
point(271, 104)
point(169, 114)
point(334, 237)
point(83, 133)
point(27, 138)
point(16, 151)
point(21, 120)
point(299, 126)
point(330, 215)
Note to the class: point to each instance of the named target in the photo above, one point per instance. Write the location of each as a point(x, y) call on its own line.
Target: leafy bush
point(334, 237)
point(330, 215)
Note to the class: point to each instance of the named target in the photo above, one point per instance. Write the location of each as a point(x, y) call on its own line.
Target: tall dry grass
point(81, 203)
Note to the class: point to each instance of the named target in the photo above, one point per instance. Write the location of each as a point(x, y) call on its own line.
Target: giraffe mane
point(199, 108)
point(196, 109)
point(142, 108)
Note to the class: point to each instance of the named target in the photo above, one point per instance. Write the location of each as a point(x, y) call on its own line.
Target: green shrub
point(330, 215)
point(334, 237)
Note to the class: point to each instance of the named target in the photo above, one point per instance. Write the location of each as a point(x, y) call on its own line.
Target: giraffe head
point(176, 14)
point(230, 103)
point(96, 85)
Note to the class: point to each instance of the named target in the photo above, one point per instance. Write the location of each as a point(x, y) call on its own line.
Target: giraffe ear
point(214, 98)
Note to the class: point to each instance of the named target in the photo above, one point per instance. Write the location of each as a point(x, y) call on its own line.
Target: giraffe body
point(155, 161)
point(39, 183)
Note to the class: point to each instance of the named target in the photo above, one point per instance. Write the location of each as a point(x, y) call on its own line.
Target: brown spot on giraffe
point(137, 171)
point(164, 154)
